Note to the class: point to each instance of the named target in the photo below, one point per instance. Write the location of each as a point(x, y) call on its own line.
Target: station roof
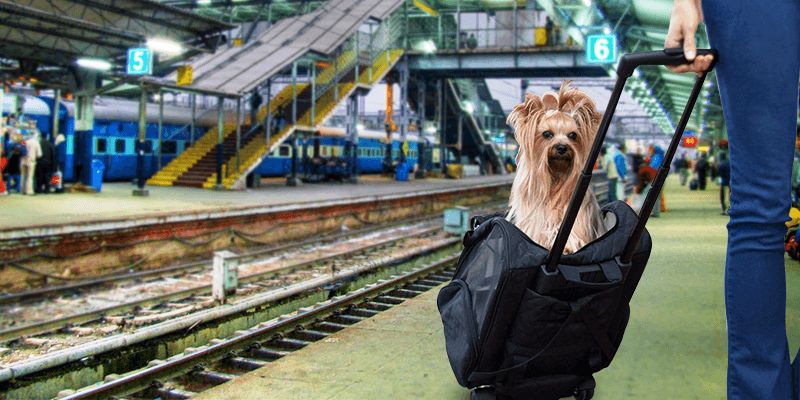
point(237, 70)
point(54, 33)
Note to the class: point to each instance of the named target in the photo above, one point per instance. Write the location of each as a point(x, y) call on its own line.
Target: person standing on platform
point(757, 75)
point(724, 172)
point(255, 103)
point(682, 165)
point(701, 169)
point(622, 170)
point(16, 149)
point(610, 166)
point(28, 163)
point(45, 165)
point(548, 28)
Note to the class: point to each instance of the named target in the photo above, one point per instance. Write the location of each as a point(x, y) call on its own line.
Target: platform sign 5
point(601, 49)
point(140, 61)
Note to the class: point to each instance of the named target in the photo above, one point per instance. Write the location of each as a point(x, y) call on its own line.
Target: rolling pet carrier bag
point(522, 322)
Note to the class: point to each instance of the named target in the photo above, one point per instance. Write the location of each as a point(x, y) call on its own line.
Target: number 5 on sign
point(601, 49)
point(140, 61)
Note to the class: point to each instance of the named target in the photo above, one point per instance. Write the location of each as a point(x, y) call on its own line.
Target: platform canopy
point(42, 39)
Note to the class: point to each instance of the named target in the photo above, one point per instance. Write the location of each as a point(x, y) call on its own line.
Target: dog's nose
point(561, 149)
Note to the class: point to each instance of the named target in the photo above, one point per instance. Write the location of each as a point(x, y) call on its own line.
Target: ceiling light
point(164, 46)
point(94, 63)
point(588, 3)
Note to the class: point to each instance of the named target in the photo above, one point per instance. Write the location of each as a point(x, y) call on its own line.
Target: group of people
point(717, 167)
point(28, 160)
point(621, 167)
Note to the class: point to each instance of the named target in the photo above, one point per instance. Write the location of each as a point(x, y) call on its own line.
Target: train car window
point(169, 147)
point(100, 146)
point(285, 151)
point(120, 146)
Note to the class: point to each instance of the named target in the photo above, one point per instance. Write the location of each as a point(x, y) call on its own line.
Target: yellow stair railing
point(256, 150)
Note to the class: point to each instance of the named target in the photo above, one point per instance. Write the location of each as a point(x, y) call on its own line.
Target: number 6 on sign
point(601, 49)
point(140, 61)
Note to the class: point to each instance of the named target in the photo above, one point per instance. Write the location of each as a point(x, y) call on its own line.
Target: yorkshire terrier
point(555, 133)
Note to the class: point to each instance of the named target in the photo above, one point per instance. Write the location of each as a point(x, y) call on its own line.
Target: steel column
point(403, 107)
point(56, 107)
point(239, 130)
point(441, 98)
point(220, 129)
point(160, 125)
point(422, 88)
point(140, 144)
point(193, 101)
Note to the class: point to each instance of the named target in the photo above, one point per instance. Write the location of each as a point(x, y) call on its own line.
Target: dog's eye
point(547, 134)
point(572, 135)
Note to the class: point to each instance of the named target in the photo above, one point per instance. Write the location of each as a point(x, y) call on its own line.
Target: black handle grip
point(671, 56)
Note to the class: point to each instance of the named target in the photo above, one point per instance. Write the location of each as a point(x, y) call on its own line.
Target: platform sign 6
point(140, 61)
point(601, 49)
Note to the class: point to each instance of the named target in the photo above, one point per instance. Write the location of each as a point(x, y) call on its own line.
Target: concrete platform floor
point(674, 348)
point(115, 201)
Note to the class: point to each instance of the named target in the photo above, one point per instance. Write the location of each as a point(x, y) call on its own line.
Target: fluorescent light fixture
point(469, 107)
point(93, 63)
point(203, 2)
point(607, 30)
point(164, 46)
point(426, 46)
point(588, 3)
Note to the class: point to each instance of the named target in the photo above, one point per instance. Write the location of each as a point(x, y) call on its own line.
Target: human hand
point(686, 15)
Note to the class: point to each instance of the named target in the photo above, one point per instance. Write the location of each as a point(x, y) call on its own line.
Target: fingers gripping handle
point(666, 57)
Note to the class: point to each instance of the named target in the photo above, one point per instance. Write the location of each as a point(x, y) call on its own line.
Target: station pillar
point(292, 180)
point(351, 153)
point(220, 138)
point(420, 130)
point(403, 71)
point(442, 98)
point(141, 146)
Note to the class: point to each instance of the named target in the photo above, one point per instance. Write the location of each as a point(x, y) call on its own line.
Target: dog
point(555, 134)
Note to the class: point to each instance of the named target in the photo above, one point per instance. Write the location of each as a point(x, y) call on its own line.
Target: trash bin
point(401, 171)
point(97, 174)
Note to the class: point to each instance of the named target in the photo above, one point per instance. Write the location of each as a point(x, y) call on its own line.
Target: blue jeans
point(757, 73)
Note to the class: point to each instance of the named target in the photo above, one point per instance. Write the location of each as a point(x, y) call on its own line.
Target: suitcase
point(522, 322)
point(693, 184)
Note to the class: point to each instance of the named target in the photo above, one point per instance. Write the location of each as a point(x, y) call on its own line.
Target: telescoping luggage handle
point(627, 64)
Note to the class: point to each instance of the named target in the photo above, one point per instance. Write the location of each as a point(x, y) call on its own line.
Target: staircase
point(182, 172)
point(361, 61)
point(252, 153)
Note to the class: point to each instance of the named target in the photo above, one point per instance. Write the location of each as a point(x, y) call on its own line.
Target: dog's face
point(554, 132)
point(560, 141)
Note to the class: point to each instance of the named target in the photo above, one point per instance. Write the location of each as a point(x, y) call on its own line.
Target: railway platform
point(674, 347)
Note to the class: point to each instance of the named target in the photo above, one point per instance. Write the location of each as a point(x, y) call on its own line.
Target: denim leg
point(757, 73)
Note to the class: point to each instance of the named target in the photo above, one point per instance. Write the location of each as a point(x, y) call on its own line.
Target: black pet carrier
point(522, 322)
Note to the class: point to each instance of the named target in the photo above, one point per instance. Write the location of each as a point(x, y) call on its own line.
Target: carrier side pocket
point(460, 329)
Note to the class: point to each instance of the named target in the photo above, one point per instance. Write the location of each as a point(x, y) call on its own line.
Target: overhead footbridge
point(317, 60)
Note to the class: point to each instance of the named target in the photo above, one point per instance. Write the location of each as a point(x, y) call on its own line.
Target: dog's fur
point(546, 177)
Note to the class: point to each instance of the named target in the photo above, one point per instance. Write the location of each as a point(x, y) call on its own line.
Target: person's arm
point(686, 16)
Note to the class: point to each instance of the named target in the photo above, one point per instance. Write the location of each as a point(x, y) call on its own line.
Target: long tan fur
point(542, 187)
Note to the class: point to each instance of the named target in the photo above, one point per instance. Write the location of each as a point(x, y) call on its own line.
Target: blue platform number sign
point(601, 49)
point(140, 61)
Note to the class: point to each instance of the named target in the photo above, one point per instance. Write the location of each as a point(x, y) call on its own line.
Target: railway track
point(184, 268)
point(197, 369)
point(168, 302)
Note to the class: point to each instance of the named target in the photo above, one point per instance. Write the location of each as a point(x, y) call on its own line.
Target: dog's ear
point(521, 111)
point(550, 101)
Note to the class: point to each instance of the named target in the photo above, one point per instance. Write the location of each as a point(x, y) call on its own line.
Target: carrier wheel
point(585, 394)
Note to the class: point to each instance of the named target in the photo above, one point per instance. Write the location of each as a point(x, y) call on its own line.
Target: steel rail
point(94, 315)
point(117, 342)
point(192, 266)
point(221, 349)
